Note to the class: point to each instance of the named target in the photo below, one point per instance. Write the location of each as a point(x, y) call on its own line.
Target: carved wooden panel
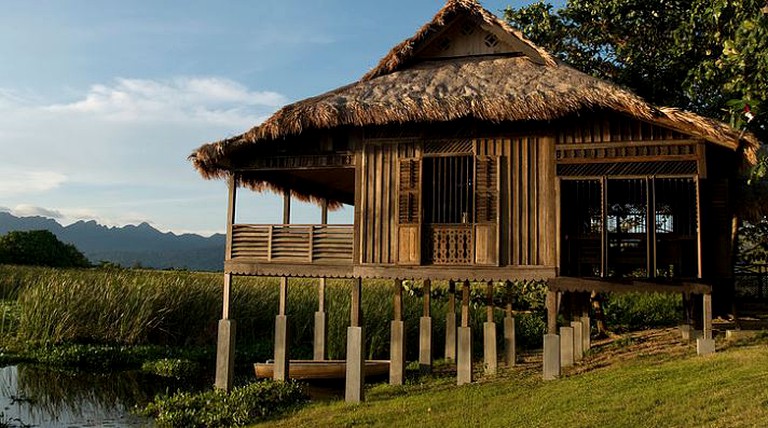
point(450, 244)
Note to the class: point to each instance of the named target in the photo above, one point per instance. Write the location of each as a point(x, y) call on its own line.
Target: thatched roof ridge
point(403, 53)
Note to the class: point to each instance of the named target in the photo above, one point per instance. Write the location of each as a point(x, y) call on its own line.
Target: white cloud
point(18, 182)
point(207, 99)
point(31, 211)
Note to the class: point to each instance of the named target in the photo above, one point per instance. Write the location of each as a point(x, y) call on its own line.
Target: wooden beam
point(356, 303)
point(397, 300)
point(427, 296)
point(283, 296)
point(489, 302)
point(552, 312)
point(321, 295)
point(227, 301)
point(465, 304)
point(287, 206)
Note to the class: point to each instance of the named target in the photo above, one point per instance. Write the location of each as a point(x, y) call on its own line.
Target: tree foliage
point(708, 56)
point(39, 248)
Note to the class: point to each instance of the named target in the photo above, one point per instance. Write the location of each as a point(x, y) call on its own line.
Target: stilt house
point(471, 154)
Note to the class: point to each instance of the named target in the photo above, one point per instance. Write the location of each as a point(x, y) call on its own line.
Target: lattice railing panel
point(450, 244)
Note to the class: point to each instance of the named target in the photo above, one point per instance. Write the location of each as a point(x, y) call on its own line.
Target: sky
point(101, 102)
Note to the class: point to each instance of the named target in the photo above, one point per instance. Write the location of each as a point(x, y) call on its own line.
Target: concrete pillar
point(586, 335)
point(397, 353)
point(354, 392)
point(464, 354)
point(425, 330)
point(450, 323)
point(280, 371)
point(566, 346)
point(706, 344)
point(321, 324)
point(225, 355)
point(397, 337)
point(510, 352)
point(321, 327)
point(551, 356)
point(578, 349)
point(490, 355)
point(355, 362)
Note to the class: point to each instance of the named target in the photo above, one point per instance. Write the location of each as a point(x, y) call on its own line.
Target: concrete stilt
point(425, 344)
point(355, 381)
point(490, 355)
point(450, 323)
point(397, 353)
point(586, 335)
point(280, 371)
point(225, 355)
point(354, 392)
point(464, 356)
point(578, 343)
point(321, 324)
point(510, 352)
point(320, 331)
point(551, 356)
point(566, 346)
point(706, 344)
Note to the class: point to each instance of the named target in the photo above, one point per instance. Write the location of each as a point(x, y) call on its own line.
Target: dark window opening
point(627, 228)
point(582, 227)
point(448, 190)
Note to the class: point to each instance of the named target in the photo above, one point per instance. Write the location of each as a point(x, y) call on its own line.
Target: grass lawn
point(646, 379)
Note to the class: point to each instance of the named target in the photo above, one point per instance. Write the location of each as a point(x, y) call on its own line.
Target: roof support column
point(425, 329)
point(281, 358)
point(225, 343)
point(321, 319)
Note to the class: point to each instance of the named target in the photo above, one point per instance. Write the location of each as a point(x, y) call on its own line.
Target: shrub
point(244, 405)
point(178, 368)
point(639, 311)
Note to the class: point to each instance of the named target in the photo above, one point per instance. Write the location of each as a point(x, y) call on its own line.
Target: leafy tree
point(39, 248)
point(707, 56)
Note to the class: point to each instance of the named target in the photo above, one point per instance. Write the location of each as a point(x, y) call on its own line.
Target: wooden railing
point(292, 243)
point(449, 244)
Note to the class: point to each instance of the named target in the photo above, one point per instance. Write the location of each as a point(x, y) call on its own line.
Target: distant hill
point(129, 245)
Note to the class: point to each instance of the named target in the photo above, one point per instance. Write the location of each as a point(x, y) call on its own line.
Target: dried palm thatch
point(493, 89)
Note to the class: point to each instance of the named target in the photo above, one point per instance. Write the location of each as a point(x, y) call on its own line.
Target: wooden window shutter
point(409, 211)
point(487, 210)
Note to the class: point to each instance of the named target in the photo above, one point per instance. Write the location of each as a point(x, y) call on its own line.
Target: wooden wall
point(526, 193)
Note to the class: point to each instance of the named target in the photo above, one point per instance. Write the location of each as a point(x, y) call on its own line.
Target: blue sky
point(102, 101)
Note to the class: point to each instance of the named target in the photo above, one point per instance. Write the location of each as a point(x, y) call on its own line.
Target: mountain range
point(130, 245)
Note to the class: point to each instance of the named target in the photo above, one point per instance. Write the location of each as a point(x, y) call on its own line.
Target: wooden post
point(450, 323)
point(551, 349)
point(425, 330)
point(489, 334)
point(355, 356)
point(552, 312)
point(225, 343)
point(464, 355)
point(397, 337)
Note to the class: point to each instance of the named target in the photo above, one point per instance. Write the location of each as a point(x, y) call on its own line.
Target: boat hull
point(321, 370)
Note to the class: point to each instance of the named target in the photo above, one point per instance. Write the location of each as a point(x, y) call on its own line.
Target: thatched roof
point(404, 90)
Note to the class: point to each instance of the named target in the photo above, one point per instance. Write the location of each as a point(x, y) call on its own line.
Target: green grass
point(662, 390)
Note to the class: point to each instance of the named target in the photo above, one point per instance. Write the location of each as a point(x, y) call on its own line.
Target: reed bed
point(135, 307)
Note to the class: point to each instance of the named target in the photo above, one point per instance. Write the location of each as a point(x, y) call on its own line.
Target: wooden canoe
point(321, 370)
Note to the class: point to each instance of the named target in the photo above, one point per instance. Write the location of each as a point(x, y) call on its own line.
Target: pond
point(38, 396)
